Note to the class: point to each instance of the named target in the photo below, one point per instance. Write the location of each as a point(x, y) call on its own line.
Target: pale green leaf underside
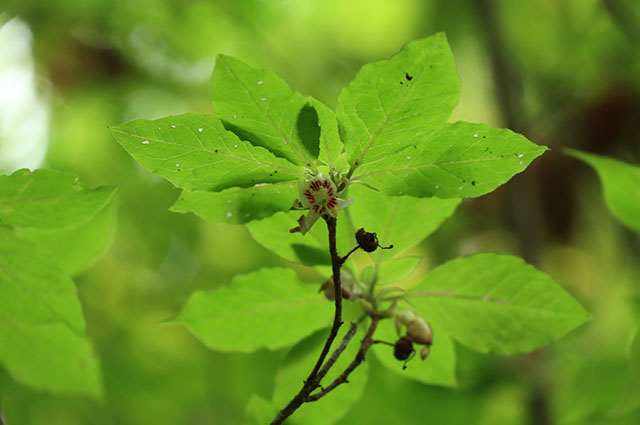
point(398, 102)
point(260, 102)
point(461, 160)
point(496, 303)
point(49, 200)
point(195, 152)
point(391, 270)
point(621, 184)
point(437, 369)
point(239, 205)
point(42, 341)
point(310, 249)
point(267, 308)
point(297, 365)
point(403, 221)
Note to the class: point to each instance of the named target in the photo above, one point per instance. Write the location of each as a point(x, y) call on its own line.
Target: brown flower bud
point(420, 331)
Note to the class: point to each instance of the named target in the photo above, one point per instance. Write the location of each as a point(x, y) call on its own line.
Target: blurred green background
point(564, 73)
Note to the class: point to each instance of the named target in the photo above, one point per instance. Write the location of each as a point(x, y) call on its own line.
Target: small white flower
point(320, 196)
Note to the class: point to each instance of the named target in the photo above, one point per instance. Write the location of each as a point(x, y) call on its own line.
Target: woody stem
point(313, 380)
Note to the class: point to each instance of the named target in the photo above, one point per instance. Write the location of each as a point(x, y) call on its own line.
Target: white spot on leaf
point(260, 82)
point(200, 130)
point(145, 142)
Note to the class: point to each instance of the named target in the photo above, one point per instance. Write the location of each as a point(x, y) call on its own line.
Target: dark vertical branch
point(313, 380)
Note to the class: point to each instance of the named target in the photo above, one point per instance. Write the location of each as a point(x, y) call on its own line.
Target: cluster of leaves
point(51, 227)
point(388, 138)
point(389, 133)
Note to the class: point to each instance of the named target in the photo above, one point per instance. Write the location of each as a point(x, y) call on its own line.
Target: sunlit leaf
point(267, 308)
point(621, 185)
point(261, 103)
point(239, 205)
point(42, 341)
point(330, 144)
point(461, 160)
point(398, 102)
point(496, 303)
point(195, 152)
point(296, 367)
point(49, 200)
point(392, 270)
point(437, 369)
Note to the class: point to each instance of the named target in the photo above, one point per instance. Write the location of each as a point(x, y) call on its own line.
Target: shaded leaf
point(267, 308)
point(496, 303)
point(390, 271)
point(42, 341)
point(261, 103)
point(461, 160)
point(310, 249)
point(49, 200)
point(397, 102)
point(74, 250)
point(195, 152)
point(621, 185)
point(259, 411)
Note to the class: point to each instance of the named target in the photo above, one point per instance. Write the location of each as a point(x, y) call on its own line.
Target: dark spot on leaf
point(401, 82)
point(216, 150)
point(473, 182)
point(464, 181)
point(275, 172)
point(407, 76)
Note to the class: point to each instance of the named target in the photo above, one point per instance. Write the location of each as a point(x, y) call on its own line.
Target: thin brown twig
point(360, 356)
point(313, 380)
point(338, 351)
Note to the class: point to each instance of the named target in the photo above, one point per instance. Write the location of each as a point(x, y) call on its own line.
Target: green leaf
point(259, 411)
point(49, 200)
point(630, 397)
point(195, 152)
point(496, 303)
point(621, 184)
point(310, 249)
point(239, 205)
point(296, 367)
point(42, 341)
point(261, 103)
point(461, 160)
point(74, 250)
point(390, 271)
point(331, 146)
point(267, 308)
point(402, 221)
point(400, 101)
point(437, 369)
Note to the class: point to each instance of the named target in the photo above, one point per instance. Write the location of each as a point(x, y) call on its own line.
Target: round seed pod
point(366, 240)
point(403, 348)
